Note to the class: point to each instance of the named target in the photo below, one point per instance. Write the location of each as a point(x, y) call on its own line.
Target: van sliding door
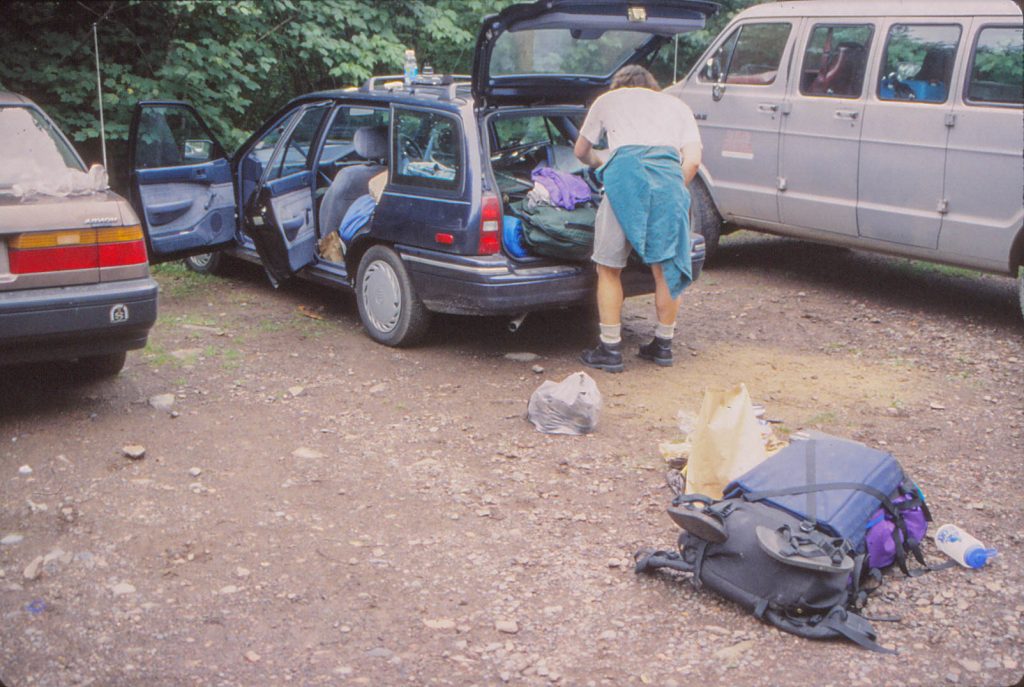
point(821, 129)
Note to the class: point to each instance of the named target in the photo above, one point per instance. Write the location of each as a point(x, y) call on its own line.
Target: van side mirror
point(713, 70)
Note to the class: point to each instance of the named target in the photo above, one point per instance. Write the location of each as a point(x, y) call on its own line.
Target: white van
point(888, 126)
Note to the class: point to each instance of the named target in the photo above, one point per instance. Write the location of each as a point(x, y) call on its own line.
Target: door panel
point(737, 100)
point(821, 130)
point(282, 225)
point(984, 174)
point(904, 136)
point(181, 185)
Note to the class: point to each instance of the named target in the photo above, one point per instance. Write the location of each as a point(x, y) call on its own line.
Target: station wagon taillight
point(490, 226)
point(76, 249)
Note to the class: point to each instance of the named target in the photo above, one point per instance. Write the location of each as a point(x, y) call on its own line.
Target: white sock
point(611, 333)
point(665, 331)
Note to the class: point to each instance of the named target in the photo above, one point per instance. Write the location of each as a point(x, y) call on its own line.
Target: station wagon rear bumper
point(76, 321)
point(494, 285)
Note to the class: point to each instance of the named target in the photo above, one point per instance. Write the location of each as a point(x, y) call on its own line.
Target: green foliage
point(238, 61)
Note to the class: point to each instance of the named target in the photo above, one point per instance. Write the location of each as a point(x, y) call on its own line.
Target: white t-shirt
point(640, 116)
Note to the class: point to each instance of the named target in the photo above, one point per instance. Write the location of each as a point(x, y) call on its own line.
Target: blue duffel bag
point(836, 483)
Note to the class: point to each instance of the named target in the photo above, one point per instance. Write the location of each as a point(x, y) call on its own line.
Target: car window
point(36, 157)
point(563, 51)
point(526, 130)
point(750, 55)
point(172, 136)
point(427, 149)
point(835, 60)
point(294, 156)
point(918, 62)
point(997, 66)
point(261, 151)
point(338, 145)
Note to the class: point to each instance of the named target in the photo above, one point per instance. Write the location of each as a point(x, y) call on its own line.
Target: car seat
point(840, 75)
point(932, 80)
point(371, 144)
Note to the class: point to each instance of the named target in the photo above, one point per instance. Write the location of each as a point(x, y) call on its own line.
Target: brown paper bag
point(725, 443)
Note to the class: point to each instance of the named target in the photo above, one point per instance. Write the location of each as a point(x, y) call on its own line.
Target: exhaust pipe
point(516, 322)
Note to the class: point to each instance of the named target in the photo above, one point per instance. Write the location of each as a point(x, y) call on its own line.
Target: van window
point(750, 55)
point(835, 60)
point(997, 66)
point(918, 62)
point(427, 150)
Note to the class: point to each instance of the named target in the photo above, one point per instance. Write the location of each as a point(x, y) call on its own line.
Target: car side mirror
point(198, 150)
point(713, 70)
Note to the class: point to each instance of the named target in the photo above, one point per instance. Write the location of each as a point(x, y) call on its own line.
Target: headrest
point(371, 142)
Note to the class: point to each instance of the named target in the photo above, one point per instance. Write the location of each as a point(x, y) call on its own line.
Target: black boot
point(607, 357)
point(658, 351)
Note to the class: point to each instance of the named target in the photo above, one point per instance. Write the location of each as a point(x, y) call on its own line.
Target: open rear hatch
point(566, 51)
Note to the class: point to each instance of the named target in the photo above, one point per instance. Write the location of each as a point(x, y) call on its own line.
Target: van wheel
point(100, 366)
point(704, 218)
point(1020, 288)
point(388, 306)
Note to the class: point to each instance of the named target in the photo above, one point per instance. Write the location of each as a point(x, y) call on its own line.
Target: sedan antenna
point(99, 93)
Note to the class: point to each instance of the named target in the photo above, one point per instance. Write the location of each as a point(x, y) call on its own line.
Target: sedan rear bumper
point(76, 321)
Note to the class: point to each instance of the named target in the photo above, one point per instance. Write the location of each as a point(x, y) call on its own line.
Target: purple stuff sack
point(880, 538)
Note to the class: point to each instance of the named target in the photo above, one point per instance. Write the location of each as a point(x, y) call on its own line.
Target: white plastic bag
point(725, 443)
point(571, 406)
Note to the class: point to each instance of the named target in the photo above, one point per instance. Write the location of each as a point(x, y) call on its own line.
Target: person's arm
point(584, 151)
point(691, 153)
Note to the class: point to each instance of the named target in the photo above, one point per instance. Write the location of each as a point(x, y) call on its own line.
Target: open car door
point(566, 51)
point(279, 217)
point(181, 184)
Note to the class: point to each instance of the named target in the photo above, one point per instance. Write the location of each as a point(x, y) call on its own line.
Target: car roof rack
point(450, 82)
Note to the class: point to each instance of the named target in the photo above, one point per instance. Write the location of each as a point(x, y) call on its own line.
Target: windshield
point(37, 160)
point(563, 51)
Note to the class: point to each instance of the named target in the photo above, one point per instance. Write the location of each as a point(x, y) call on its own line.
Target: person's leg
point(609, 295)
point(659, 350)
point(611, 251)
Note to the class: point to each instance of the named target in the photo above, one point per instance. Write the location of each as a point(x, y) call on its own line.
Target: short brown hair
point(634, 76)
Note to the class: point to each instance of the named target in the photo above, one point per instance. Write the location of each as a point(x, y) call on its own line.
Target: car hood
point(566, 51)
point(44, 213)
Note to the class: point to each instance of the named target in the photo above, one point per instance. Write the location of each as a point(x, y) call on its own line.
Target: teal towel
point(645, 187)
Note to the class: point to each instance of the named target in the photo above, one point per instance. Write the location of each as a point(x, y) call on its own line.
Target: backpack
point(797, 537)
point(557, 233)
point(785, 571)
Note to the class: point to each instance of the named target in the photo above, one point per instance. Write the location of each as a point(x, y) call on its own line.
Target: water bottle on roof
point(412, 70)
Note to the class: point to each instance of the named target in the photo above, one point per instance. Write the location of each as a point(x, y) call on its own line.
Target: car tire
point(206, 263)
point(101, 366)
point(704, 218)
point(389, 308)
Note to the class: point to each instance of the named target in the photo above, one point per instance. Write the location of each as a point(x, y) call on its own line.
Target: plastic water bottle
point(412, 70)
point(962, 547)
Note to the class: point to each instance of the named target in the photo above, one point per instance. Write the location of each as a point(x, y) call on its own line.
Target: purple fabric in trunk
point(566, 190)
point(880, 543)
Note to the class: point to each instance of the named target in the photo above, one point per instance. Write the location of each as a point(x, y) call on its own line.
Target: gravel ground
point(312, 508)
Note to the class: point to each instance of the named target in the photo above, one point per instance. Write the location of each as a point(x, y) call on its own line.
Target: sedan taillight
point(76, 249)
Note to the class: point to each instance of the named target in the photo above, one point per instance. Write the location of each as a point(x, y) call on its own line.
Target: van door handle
point(847, 114)
point(768, 108)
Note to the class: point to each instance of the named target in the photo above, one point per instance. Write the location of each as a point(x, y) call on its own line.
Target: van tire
point(1020, 288)
point(389, 308)
point(704, 218)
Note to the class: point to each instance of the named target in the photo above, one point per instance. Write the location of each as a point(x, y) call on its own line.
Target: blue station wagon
point(453, 155)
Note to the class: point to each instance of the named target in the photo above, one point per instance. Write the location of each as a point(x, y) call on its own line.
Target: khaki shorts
point(611, 247)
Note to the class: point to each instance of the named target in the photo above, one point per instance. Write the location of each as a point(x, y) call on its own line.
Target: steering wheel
point(410, 147)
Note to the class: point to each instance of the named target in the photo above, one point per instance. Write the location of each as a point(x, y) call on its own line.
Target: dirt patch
point(313, 508)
